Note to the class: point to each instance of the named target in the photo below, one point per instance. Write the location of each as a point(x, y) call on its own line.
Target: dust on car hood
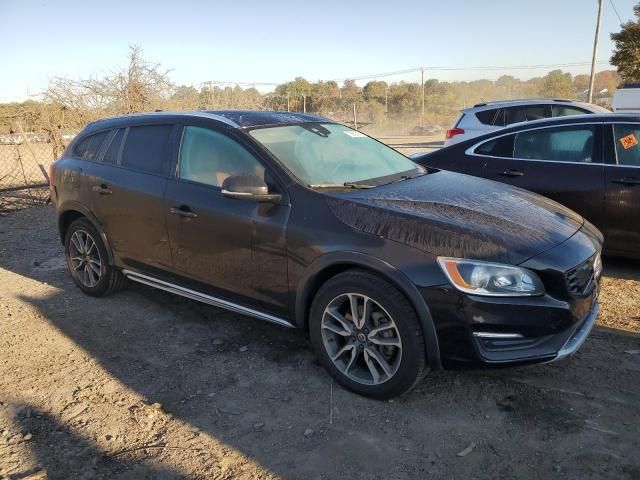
point(457, 215)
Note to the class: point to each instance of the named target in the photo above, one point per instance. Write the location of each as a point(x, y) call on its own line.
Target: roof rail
point(547, 99)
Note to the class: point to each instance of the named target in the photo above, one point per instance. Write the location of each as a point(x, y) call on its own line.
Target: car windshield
point(330, 155)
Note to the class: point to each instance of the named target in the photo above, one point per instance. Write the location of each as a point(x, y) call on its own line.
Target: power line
point(427, 68)
point(616, 10)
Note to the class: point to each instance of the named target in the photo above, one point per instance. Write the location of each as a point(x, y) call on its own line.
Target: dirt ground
point(144, 384)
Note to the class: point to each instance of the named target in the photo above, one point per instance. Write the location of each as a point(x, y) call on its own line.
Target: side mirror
point(248, 187)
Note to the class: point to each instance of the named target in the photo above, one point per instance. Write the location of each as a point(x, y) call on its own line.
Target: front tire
point(367, 335)
point(87, 260)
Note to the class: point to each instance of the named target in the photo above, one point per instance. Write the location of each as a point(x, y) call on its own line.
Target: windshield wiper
point(341, 185)
point(406, 177)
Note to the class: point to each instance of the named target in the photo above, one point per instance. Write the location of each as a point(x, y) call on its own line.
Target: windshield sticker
point(354, 134)
point(629, 141)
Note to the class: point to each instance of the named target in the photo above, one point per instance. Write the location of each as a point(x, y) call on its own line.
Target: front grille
point(580, 278)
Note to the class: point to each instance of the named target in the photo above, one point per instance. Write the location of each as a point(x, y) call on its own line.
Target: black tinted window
point(565, 111)
point(147, 148)
point(499, 147)
point(209, 157)
point(564, 144)
point(627, 148)
point(491, 117)
point(525, 113)
point(111, 155)
point(90, 146)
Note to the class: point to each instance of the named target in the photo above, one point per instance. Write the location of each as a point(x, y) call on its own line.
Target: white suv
point(485, 117)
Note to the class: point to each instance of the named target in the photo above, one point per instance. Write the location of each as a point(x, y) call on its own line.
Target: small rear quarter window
point(494, 116)
point(89, 147)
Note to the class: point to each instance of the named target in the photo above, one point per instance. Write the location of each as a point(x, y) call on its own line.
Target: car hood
point(450, 214)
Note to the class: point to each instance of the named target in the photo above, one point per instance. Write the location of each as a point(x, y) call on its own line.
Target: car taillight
point(51, 175)
point(453, 132)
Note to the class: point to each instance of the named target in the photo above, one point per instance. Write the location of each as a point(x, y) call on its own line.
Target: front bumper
point(579, 335)
point(497, 331)
point(520, 330)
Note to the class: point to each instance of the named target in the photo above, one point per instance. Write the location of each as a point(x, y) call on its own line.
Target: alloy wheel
point(84, 258)
point(361, 339)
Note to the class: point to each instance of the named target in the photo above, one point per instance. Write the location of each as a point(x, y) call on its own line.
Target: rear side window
point(565, 111)
point(525, 113)
point(498, 147)
point(627, 149)
point(209, 157)
point(113, 150)
point(89, 147)
point(147, 148)
point(564, 144)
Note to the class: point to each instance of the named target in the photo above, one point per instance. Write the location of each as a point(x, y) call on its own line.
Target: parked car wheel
point(367, 335)
point(87, 260)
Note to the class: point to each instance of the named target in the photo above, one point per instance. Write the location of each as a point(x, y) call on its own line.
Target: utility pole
point(595, 48)
point(355, 118)
point(422, 85)
point(304, 103)
point(386, 99)
point(288, 108)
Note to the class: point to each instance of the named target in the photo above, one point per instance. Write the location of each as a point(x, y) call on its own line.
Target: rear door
point(563, 163)
point(127, 189)
point(622, 230)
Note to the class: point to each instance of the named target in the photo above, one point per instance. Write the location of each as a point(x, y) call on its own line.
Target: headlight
point(597, 266)
point(492, 279)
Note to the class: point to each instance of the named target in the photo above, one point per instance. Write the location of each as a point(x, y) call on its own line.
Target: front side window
point(210, 157)
point(334, 155)
point(565, 111)
point(563, 144)
point(146, 148)
point(89, 147)
point(626, 138)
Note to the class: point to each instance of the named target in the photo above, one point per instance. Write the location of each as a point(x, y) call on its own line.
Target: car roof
point(231, 118)
point(527, 101)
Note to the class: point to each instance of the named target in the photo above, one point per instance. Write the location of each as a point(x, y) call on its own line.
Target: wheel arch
point(331, 264)
point(73, 212)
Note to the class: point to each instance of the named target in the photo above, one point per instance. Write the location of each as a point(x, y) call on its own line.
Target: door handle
point(511, 173)
point(102, 189)
point(627, 181)
point(183, 211)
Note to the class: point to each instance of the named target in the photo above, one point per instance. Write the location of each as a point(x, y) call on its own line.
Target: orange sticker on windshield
point(629, 141)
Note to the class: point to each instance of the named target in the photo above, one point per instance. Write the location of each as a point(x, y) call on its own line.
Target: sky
point(274, 41)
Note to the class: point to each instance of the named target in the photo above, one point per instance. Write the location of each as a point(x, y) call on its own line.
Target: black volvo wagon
point(391, 267)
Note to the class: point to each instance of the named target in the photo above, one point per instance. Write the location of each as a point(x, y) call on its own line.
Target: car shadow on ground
point(55, 445)
point(257, 388)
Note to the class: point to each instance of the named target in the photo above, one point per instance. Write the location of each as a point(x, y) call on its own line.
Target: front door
point(562, 163)
point(622, 231)
point(234, 247)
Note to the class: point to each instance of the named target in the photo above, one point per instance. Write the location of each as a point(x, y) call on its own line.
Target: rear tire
point(88, 260)
point(379, 352)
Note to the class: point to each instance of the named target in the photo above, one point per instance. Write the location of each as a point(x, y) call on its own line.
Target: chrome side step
point(204, 298)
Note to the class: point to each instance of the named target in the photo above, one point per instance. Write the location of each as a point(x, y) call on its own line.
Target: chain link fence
point(24, 165)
